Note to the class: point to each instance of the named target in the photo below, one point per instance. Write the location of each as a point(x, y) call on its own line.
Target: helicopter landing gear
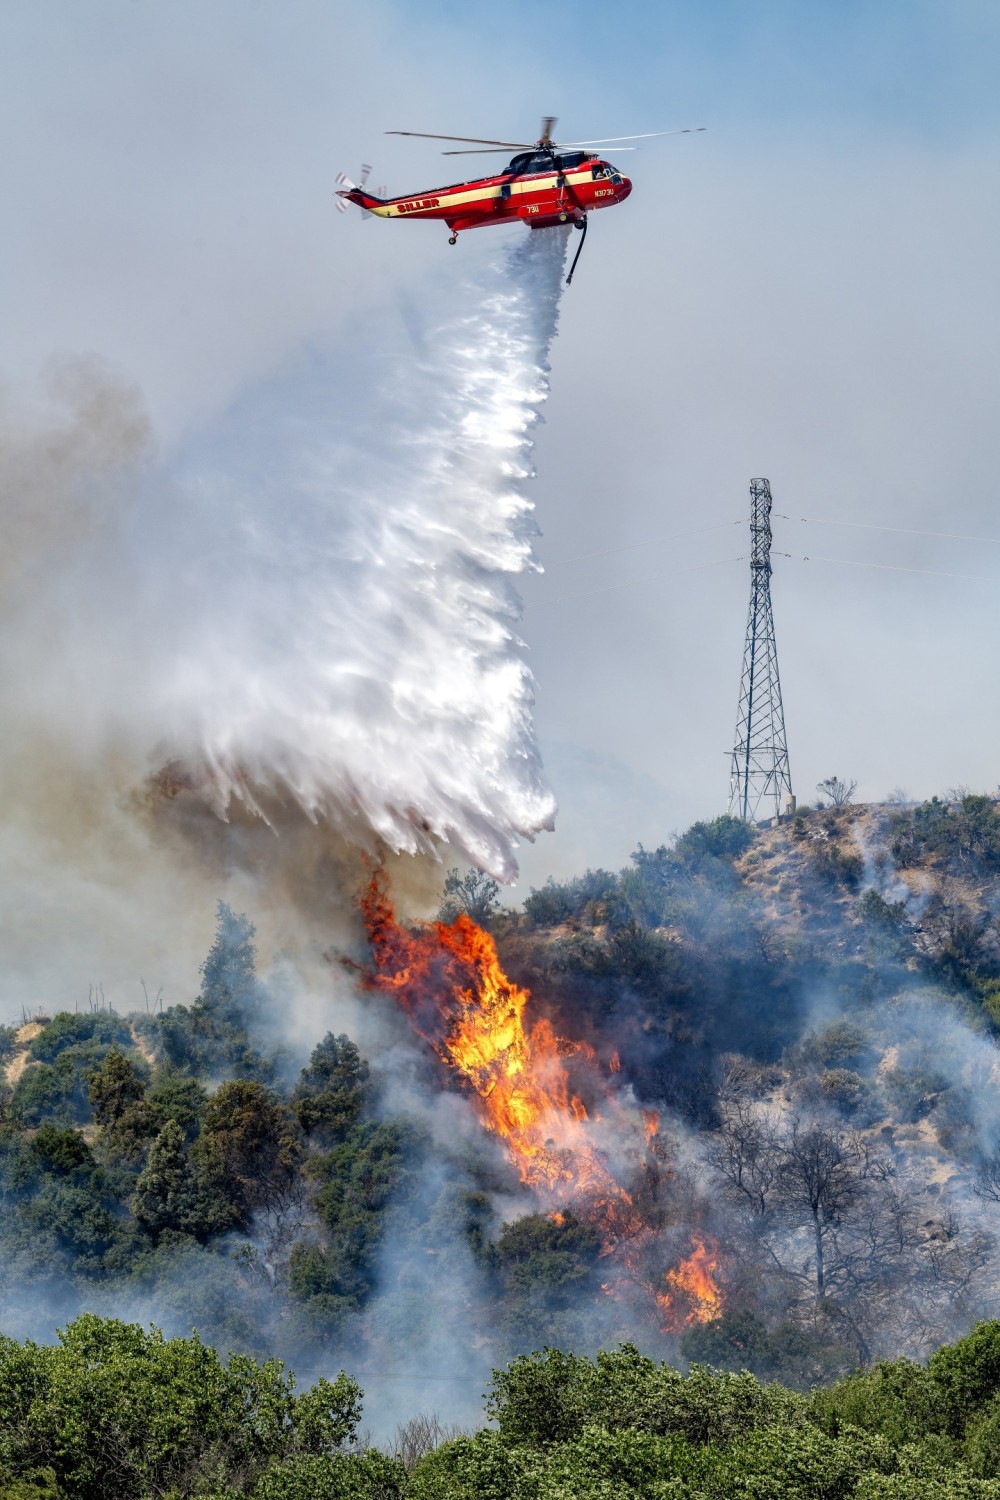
point(453, 240)
point(582, 225)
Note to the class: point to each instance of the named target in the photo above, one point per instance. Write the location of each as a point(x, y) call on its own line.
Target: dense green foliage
point(130, 1169)
point(113, 1412)
point(623, 1426)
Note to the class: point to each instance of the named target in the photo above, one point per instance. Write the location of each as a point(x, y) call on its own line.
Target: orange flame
point(693, 1295)
point(448, 979)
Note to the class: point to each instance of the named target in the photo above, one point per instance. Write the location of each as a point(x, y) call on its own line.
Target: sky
point(805, 292)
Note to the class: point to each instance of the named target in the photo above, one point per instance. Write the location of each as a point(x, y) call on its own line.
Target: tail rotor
point(344, 182)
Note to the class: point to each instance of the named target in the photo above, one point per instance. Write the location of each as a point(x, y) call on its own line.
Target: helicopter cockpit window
point(600, 170)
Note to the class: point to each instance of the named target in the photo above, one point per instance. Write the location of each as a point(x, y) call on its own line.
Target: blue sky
point(907, 67)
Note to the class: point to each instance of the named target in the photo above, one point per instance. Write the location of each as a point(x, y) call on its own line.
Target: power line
point(844, 562)
point(847, 562)
point(951, 536)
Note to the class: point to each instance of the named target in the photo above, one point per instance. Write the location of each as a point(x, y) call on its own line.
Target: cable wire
point(951, 536)
point(847, 562)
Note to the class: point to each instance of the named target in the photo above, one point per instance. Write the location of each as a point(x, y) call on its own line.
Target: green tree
point(968, 1374)
point(476, 894)
point(168, 1195)
point(119, 1413)
point(545, 1267)
point(348, 1476)
point(357, 1180)
point(113, 1087)
point(330, 1094)
point(229, 986)
point(248, 1152)
point(175, 1096)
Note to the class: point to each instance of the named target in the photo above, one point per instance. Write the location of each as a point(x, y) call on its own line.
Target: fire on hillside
point(541, 1094)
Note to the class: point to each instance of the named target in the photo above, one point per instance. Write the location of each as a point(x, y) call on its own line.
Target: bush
point(342, 1476)
point(898, 1399)
point(70, 1030)
point(875, 911)
point(559, 902)
point(831, 865)
point(968, 1374)
point(119, 1413)
point(553, 1396)
point(38, 1486)
point(53, 1091)
point(840, 1045)
point(739, 1341)
point(724, 837)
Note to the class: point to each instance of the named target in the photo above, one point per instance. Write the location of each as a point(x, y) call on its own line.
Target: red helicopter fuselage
point(540, 188)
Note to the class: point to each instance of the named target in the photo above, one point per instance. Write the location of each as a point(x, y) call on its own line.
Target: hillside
point(769, 1137)
point(814, 998)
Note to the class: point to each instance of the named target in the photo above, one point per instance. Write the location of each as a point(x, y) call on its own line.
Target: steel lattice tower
point(761, 778)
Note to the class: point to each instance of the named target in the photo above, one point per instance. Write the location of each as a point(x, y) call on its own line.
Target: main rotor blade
point(494, 151)
point(545, 139)
point(473, 140)
point(483, 151)
point(610, 140)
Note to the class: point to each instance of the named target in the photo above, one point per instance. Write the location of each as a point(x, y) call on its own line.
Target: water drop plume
point(351, 638)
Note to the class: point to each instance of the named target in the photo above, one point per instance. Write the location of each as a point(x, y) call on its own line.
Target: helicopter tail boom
point(367, 201)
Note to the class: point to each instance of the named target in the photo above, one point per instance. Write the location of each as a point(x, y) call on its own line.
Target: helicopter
point(544, 185)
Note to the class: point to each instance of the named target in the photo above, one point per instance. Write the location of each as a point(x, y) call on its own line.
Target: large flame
point(449, 981)
point(691, 1294)
point(447, 977)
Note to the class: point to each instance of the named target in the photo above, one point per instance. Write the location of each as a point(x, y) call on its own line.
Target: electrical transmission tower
point(761, 785)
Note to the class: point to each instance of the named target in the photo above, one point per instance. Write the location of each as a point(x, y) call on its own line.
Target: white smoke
point(309, 615)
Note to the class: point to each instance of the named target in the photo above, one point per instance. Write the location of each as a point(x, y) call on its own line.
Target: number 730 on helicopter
point(544, 185)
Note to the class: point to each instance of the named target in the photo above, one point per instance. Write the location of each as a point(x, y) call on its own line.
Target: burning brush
point(447, 978)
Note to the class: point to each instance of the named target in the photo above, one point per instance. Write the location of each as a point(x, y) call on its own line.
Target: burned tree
point(816, 1181)
point(839, 791)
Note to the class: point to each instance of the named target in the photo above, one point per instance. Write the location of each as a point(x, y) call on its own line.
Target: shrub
point(559, 902)
point(70, 1030)
point(724, 837)
point(968, 1374)
point(831, 864)
point(120, 1413)
point(340, 1476)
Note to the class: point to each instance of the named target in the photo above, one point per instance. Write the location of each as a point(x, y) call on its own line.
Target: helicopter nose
point(624, 190)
